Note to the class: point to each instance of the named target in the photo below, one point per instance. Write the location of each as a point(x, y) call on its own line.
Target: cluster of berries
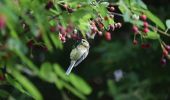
point(144, 31)
point(96, 25)
point(165, 53)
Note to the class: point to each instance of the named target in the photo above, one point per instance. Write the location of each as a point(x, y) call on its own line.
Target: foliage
point(33, 34)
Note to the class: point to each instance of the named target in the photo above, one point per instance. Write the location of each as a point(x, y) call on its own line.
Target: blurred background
point(115, 70)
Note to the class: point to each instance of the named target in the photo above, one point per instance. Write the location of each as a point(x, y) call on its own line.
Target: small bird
point(78, 54)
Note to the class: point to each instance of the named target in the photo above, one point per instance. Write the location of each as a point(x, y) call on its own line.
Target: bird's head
point(85, 43)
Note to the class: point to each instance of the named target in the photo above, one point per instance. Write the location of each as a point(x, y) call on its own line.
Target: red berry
point(59, 27)
point(143, 17)
point(111, 16)
point(119, 25)
point(94, 29)
point(108, 36)
point(65, 6)
point(70, 10)
point(145, 30)
point(63, 39)
point(163, 61)
point(49, 5)
point(99, 33)
point(168, 48)
point(111, 27)
point(2, 21)
point(145, 24)
point(135, 42)
point(52, 28)
point(2, 78)
point(165, 52)
point(101, 26)
point(30, 43)
point(75, 37)
point(145, 45)
point(135, 29)
point(111, 9)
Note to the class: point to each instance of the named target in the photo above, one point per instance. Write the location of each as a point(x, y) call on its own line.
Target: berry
point(101, 26)
point(111, 9)
point(165, 52)
point(135, 42)
point(145, 45)
point(135, 29)
point(135, 17)
point(111, 27)
point(52, 28)
point(163, 61)
point(70, 10)
point(143, 17)
point(49, 5)
point(167, 48)
point(99, 33)
point(65, 6)
point(30, 43)
point(111, 16)
point(118, 25)
point(94, 29)
point(63, 39)
point(2, 78)
point(145, 30)
point(59, 27)
point(75, 37)
point(108, 36)
point(145, 24)
point(2, 21)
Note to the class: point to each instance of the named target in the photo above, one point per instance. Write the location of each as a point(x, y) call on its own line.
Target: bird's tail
point(70, 67)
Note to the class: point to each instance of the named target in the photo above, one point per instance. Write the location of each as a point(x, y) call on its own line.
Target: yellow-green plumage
point(78, 54)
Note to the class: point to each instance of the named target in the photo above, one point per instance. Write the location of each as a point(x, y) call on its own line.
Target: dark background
point(144, 77)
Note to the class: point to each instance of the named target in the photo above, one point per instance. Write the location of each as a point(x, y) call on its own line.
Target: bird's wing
point(74, 54)
point(81, 58)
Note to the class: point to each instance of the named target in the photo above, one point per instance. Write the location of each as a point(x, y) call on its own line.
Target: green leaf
point(141, 4)
point(74, 91)
point(105, 3)
point(152, 35)
point(56, 41)
point(16, 45)
point(108, 22)
point(126, 17)
point(168, 23)
point(80, 84)
point(102, 10)
point(60, 72)
point(14, 83)
point(154, 19)
point(28, 62)
point(59, 84)
point(28, 85)
point(46, 72)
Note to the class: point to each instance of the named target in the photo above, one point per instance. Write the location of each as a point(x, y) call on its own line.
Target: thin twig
point(117, 14)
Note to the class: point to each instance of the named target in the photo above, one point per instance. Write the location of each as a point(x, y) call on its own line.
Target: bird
point(78, 54)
